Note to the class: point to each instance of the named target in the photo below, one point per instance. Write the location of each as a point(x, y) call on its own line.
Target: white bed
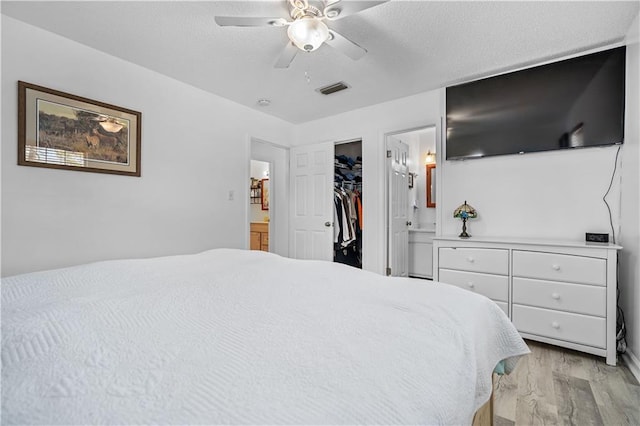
point(245, 337)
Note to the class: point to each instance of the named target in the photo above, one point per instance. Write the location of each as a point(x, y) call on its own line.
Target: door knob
point(408, 223)
point(327, 224)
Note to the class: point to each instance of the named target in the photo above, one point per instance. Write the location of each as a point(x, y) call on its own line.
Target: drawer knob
point(470, 259)
point(555, 296)
point(471, 285)
point(555, 325)
point(555, 267)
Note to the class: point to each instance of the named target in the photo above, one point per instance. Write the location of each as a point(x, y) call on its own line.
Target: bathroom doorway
point(259, 202)
point(411, 216)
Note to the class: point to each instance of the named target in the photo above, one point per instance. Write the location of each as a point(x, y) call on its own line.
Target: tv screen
point(578, 102)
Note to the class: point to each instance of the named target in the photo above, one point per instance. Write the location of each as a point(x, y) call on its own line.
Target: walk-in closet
point(347, 198)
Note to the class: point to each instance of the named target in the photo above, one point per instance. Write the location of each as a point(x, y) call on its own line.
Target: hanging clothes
point(347, 212)
point(359, 208)
point(344, 217)
point(347, 231)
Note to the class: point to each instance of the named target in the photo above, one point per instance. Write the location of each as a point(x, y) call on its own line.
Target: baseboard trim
point(633, 363)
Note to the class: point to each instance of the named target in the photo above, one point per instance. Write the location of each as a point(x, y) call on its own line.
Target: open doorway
point(259, 214)
point(271, 209)
point(347, 201)
point(410, 194)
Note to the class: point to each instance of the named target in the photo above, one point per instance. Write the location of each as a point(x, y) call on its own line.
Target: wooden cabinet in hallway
point(259, 236)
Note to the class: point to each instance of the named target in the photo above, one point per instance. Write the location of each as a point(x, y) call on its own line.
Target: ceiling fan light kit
point(307, 31)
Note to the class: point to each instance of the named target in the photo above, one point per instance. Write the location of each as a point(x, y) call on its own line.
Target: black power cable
point(604, 197)
point(621, 328)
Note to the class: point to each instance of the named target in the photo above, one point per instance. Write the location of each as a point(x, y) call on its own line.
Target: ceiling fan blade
point(286, 56)
point(345, 45)
point(247, 21)
point(336, 9)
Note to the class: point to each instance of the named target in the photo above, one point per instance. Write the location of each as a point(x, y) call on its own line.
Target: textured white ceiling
point(413, 46)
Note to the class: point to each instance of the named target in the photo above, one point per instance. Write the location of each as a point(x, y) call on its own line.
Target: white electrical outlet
point(232, 195)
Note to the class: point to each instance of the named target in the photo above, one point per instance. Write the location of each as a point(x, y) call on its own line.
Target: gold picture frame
point(431, 185)
point(63, 131)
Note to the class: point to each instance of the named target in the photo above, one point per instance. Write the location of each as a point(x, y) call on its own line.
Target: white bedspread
point(232, 336)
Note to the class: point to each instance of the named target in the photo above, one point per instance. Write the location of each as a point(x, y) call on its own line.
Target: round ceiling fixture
point(308, 33)
point(264, 102)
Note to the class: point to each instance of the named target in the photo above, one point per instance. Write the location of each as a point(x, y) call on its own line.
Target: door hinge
point(388, 153)
point(388, 272)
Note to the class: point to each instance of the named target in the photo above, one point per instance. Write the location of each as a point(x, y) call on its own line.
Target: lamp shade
point(465, 211)
point(308, 33)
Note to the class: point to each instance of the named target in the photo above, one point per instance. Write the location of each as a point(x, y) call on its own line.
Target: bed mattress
point(245, 337)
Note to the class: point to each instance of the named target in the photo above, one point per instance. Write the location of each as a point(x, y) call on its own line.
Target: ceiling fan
point(307, 31)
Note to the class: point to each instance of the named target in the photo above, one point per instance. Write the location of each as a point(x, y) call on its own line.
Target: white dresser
point(562, 293)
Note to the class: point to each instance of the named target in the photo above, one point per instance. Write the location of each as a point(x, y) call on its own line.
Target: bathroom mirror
point(431, 185)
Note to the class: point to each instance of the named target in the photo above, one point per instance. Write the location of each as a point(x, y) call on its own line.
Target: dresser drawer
point(560, 267)
point(578, 298)
point(491, 261)
point(576, 328)
point(495, 287)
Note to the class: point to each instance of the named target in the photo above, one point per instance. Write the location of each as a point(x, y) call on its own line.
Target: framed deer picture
point(63, 131)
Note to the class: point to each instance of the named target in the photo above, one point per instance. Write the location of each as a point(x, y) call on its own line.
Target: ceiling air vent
point(333, 88)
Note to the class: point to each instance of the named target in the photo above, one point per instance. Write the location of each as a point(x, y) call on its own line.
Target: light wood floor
point(556, 386)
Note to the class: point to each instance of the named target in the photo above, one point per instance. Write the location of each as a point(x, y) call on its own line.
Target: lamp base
point(464, 234)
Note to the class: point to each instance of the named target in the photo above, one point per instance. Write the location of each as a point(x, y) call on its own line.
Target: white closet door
point(398, 201)
point(311, 170)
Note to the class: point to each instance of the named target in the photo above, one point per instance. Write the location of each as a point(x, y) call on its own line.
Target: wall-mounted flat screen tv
point(578, 102)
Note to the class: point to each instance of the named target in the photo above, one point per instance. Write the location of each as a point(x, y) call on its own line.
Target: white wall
point(259, 168)
point(427, 143)
point(371, 124)
point(630, 222)
point(549, 195)
point(195, 149)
